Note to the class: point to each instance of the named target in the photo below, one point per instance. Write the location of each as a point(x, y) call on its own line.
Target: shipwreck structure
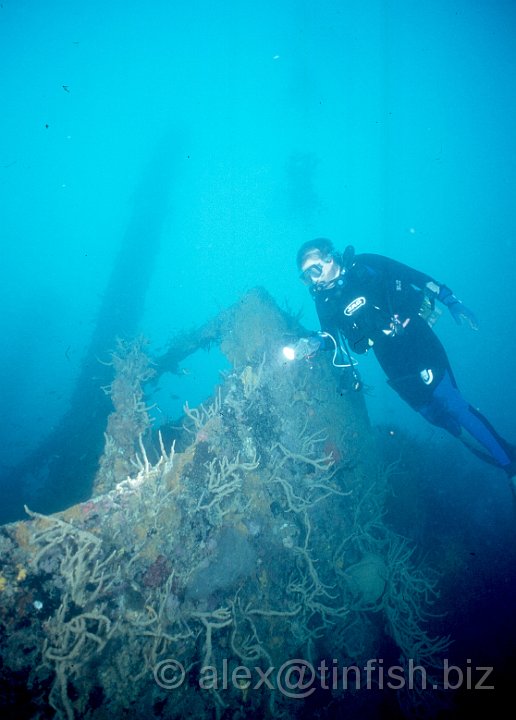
point(218, 562)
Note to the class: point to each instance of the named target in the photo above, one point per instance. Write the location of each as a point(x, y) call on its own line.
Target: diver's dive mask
point(312, 273)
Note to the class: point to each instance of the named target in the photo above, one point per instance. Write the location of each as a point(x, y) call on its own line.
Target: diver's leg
point(449, 410)
point(500, 449)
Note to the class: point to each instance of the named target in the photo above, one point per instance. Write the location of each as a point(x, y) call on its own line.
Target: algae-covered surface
point(238, 564)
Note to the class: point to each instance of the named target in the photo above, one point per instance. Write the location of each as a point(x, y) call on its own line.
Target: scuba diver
point(369, 301)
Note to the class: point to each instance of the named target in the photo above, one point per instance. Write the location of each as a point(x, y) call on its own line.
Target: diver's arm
point(460, 313)
point(393, 272)
point(398, 274)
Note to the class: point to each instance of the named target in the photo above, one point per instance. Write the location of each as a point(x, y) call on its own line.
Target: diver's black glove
point(463, 315)
point(460, 313)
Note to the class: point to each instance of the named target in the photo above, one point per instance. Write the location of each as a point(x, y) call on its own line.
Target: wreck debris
point(261, 540)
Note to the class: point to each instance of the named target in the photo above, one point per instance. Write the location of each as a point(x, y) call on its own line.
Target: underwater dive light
point(306, 347)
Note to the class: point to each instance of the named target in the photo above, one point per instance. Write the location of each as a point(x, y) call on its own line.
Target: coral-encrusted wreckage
point(250, 534)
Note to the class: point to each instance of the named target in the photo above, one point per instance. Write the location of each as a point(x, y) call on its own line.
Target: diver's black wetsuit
point(376, 304)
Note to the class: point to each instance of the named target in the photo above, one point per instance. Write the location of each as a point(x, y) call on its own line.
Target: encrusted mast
point(257, 536)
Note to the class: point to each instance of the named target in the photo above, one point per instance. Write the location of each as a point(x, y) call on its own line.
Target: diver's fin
point(477, 449)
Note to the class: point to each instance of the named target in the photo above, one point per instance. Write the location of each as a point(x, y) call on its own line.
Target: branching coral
point(79, 556)
point(224, 479)
point(130, 419)
point(378, 568)
point(199, 417)
point(146, 571)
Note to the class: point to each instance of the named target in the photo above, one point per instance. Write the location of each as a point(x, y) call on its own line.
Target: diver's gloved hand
point(463, 315)
point(460, 313)
point(306, 346)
